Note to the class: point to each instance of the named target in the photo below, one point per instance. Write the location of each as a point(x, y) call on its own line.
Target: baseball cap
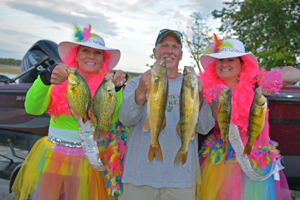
point(163, 32)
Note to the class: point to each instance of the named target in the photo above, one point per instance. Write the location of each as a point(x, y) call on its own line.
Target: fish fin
point(74, 114)
point(155, 152)
point(178, 129)
point(257, 138)
point(193, 135)
point(148, 91)
point(117, 101)
point(74, 93)
point(163, 125)
point(225, 147)
point(98, 134)
point(109, 121)
point(247, 149)
point(146, 125)
point(180, 158)
point(109, 99)
point(93, 117)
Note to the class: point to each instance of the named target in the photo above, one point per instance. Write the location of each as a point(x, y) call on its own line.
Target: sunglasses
point(179, 35)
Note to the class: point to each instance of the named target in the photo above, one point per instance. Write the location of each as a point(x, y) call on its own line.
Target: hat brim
point(207, 59)
point(65, 47)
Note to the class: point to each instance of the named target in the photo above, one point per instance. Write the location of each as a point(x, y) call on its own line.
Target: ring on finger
point(121, 83)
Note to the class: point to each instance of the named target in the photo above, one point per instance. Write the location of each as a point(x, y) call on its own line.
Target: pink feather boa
point(243, 95)
point(59, 104)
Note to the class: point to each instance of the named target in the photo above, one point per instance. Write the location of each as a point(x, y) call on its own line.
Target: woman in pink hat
point(229, 173)
point(58, 167)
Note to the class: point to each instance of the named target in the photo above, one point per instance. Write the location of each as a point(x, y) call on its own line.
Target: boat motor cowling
point(41, 55)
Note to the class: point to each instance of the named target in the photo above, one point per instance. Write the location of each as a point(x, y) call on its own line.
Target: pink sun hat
point(85, 38)
point(229, 48)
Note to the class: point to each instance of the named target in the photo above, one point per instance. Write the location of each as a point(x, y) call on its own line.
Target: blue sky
point(129, 25)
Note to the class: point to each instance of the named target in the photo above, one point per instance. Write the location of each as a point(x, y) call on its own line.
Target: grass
point(9, 70)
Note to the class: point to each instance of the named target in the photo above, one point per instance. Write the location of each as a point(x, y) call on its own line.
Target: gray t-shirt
point(137, 170)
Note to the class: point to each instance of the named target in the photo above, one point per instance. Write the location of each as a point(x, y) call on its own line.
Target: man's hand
point(59, 74)
point(141, 91)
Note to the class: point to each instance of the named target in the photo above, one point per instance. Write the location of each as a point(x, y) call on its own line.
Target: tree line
point(10, 61)
point(268, 28)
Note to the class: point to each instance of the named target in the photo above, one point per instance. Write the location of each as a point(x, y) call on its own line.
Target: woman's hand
point(119, 78)
point(59, 74)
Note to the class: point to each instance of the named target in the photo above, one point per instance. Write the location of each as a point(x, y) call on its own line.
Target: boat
point(17, 128)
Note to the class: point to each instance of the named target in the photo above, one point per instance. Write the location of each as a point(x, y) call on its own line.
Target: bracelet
point(46, 74)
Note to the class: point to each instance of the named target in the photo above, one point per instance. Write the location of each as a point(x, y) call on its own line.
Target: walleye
point(189, 110)
point(156, 106)
point(257, 117)
point(79, 95)
point(224, 115)
point(103, 106)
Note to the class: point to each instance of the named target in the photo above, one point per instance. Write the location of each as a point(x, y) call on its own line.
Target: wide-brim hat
point(89, 40)
point(229, 48)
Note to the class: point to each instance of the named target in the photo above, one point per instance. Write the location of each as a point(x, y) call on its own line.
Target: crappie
point(103, 106)
point(257, 117)
point(156, 106)
point(79, 95)
point(189, 110)
point(224, 115)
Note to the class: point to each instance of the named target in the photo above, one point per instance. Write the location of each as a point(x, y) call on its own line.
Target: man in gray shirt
point(143, 180)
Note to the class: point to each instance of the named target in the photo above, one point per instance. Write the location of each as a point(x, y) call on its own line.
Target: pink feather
point(86, 33)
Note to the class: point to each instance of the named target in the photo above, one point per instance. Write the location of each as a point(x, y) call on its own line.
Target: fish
point(189, 111)
point(79, 95)
point(224, 115)
point(257, 117)
point(103, 106)
point(157, 95)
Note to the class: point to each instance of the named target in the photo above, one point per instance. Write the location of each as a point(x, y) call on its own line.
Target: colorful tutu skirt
point(223, 178)
point(54, 172)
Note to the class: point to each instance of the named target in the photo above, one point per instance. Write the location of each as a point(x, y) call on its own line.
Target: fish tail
point(180, 158)
point(155, 152)
point(247, 149)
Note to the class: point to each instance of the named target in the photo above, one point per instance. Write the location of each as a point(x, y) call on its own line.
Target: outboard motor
point(41, 55)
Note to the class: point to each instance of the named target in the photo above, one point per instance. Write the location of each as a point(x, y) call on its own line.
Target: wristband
point(46, 75)
point(118, 88)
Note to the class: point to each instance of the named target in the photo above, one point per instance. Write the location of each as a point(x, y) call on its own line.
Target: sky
point(128, 25)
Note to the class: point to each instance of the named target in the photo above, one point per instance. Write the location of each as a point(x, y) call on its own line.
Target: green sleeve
point(119, 95)
point(37, 98)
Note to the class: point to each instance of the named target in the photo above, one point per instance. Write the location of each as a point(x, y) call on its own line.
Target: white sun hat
point(85, 38)
point(229, 48)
